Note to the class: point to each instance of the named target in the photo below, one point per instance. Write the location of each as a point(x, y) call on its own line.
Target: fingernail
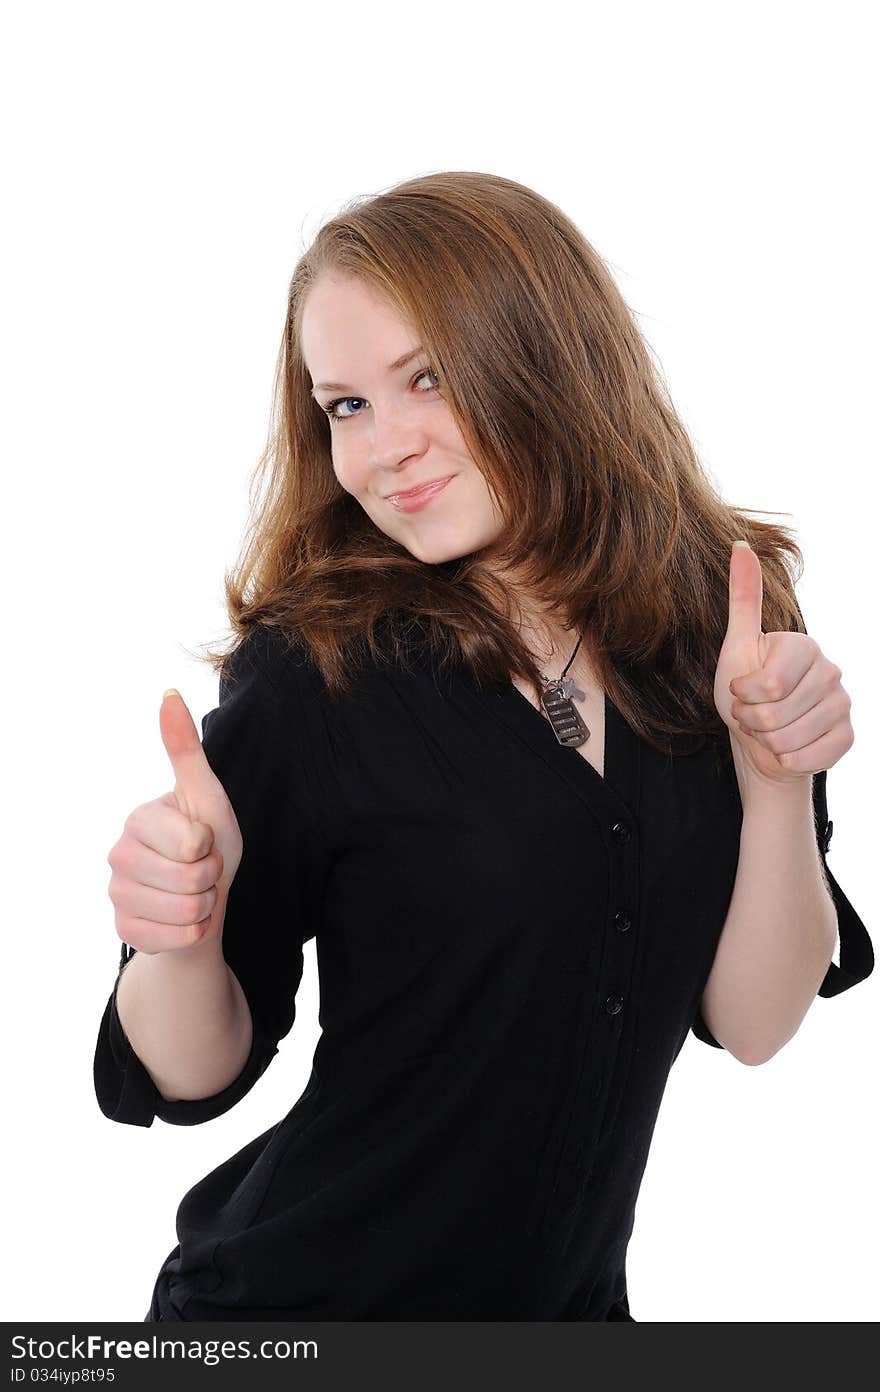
point(172, 691)
point(741, 543)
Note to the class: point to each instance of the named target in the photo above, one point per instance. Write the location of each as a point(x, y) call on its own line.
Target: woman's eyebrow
point(392, 367)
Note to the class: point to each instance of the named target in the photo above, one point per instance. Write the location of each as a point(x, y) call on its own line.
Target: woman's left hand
point(777, 693)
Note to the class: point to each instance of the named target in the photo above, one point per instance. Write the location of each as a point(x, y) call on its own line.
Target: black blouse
point(511, 951)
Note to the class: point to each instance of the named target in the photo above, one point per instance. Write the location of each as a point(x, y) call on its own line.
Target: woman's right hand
point(178, 855)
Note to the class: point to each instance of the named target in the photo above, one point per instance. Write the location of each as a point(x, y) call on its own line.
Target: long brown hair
point(608, 516)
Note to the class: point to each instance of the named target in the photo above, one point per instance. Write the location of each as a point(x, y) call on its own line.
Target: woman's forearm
point(781, 928)
point(187, 1019)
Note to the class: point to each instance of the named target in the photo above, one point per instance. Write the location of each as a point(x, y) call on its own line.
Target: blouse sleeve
point(856, 953)
point(255, 745)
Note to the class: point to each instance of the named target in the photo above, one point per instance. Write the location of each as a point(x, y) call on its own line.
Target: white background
point(164, 167)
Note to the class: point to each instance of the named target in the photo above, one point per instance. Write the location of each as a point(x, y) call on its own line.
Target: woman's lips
point(411, 502)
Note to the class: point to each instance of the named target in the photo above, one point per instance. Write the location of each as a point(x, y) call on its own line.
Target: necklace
point(556, 699)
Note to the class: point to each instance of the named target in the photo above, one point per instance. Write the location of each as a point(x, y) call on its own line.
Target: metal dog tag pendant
point(568, 726)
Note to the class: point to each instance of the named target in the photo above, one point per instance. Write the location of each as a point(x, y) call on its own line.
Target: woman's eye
point(332, 406)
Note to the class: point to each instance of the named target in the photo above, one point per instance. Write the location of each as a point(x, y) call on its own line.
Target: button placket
point(621, 835)
point(614, 802)
point(623, 950)
point(616, 971)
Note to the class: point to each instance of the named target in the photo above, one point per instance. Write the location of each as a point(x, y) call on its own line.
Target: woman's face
point(391, 429)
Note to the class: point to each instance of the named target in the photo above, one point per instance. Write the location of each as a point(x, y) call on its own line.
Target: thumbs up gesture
point(178, 855)
point(779, 696)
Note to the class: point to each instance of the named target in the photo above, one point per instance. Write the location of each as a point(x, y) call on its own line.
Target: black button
point(613, 1004)
point(620, 832)
point(622, 922)
point(826, 839)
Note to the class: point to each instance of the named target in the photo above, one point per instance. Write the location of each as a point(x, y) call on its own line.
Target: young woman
point(536, 753)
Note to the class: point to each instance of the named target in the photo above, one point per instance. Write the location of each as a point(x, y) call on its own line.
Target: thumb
point(196, 784)
point(746, 596)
